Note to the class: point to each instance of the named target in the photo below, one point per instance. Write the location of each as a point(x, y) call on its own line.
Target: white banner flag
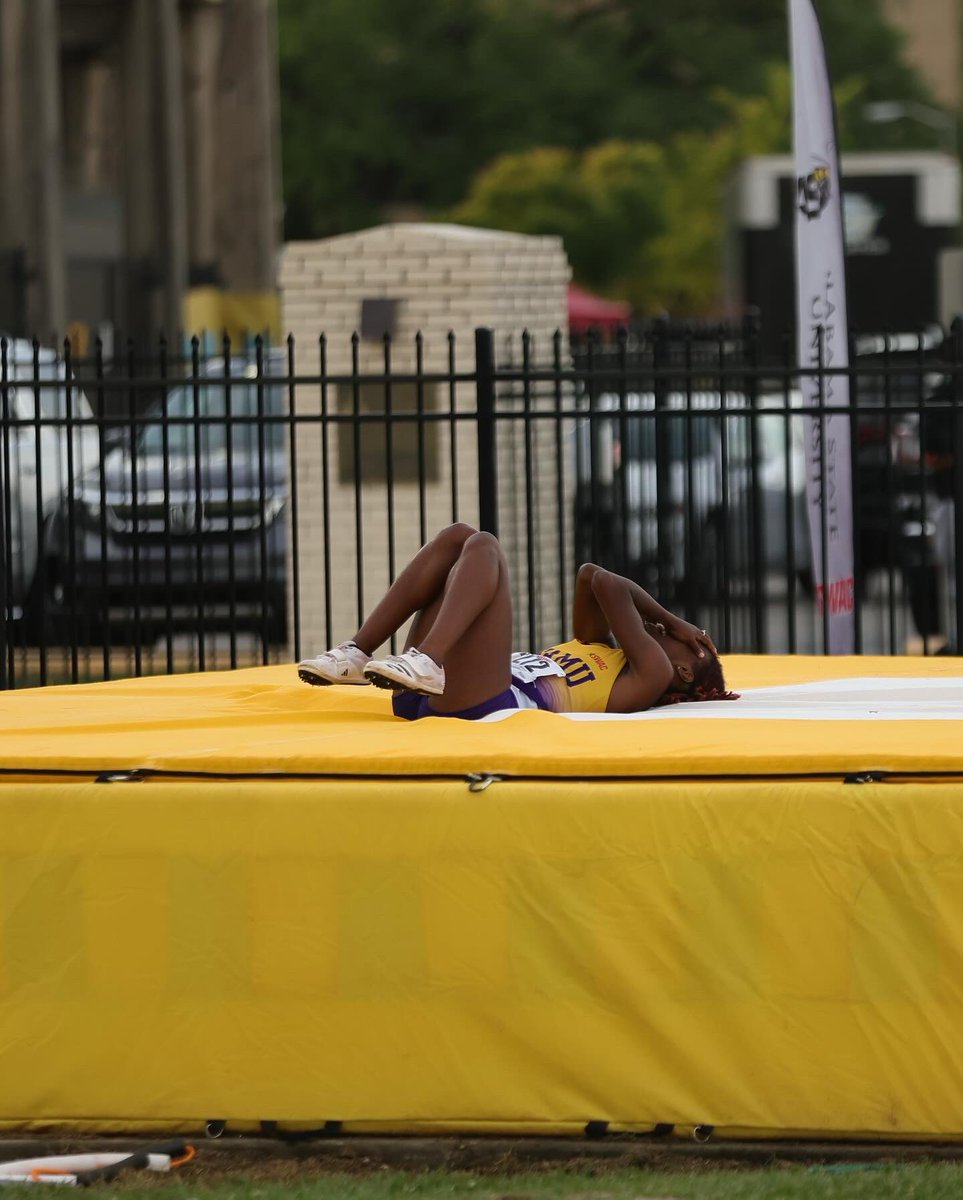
point(822, 326)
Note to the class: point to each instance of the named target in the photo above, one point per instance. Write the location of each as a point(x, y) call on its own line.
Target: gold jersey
point(591, 669)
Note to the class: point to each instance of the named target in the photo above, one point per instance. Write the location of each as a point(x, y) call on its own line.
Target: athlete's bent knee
point(457, 534)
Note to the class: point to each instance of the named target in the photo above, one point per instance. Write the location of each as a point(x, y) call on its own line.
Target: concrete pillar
point(202, 51)
point(443, 279)
point(13, 194)
point(173, 165)
point(140, 192)
point(48, 302)
point(268, 224)
point(155, 158)
point(249, 190)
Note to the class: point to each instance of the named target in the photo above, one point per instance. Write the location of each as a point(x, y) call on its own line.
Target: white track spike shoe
point(341, 664)
point(413, 671)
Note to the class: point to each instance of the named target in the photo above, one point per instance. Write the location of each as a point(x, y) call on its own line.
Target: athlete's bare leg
point(457, 588)
point(471, 635)
point(418, 589)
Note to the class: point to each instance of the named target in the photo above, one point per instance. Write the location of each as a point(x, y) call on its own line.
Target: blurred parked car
point(182, 529)
point(732, 482)
point(896, 509)
point(759, 523)
point(709, 489)
point(903, 456)
point(50, 433)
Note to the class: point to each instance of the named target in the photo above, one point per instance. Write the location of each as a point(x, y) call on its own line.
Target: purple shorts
point(412, 706)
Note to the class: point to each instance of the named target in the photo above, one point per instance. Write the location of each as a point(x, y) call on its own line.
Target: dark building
point(901, 213)
point(140, 167)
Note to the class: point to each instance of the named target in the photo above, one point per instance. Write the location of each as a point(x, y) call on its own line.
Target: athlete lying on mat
point(629, 653)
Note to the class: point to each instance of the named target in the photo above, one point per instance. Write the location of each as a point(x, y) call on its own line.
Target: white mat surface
point(871, 698)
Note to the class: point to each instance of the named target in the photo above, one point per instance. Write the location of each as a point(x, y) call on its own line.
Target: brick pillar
point(444, 279)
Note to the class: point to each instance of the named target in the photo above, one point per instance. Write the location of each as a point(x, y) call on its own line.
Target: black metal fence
point(238, 505)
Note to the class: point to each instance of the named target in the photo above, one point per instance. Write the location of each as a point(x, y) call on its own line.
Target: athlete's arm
point(590, 623)
point(606, 607)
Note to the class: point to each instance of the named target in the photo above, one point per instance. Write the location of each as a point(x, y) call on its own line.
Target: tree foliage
point(686, 257)
point(611, 122)
point(389, 104)
point(642, 221)
point(679, 58)
point(597, 201)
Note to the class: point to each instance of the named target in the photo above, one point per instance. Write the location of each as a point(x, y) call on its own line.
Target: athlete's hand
point(695, 638)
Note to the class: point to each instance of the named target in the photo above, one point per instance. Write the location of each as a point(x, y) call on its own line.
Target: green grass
point(304, 1181)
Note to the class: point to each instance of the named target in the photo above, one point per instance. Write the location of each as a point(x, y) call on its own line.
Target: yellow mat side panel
point(759, 955)
point(264, 720)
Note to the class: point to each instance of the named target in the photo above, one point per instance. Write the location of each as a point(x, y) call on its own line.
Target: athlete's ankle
point(437, 659)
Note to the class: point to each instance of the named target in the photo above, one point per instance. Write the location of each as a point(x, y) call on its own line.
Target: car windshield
point(686, 435)
point(46, 380)
point(210, 402)
point(893, 387)
point(690, 436)
point(687, 427)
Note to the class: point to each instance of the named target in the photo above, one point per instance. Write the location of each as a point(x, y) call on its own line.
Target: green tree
point(626, 181)
point(598, 202)
point(686, 257)
point(387, 104)
point(640, 221)
point(392, 106)
point(679, 61)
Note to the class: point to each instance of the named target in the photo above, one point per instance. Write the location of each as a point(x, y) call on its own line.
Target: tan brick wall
point(447, 279)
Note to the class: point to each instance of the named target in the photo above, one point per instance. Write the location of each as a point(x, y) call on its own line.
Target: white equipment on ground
point(84, 1169)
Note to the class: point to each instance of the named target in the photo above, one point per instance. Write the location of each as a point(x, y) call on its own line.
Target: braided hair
point(707, 683)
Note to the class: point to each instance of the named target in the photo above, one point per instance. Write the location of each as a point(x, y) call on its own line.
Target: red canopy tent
point(586, 311)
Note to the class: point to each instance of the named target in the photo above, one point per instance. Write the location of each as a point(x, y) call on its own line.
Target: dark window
point(371, 401)
point(378, 319)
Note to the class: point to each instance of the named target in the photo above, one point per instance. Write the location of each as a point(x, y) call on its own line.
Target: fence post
point(485, 430)
point(663, 455)
point(956, 418)
point(750, 339)
point(6, 549)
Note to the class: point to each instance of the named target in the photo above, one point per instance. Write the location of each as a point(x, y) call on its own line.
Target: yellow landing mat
point(797, 715)
point(767, 954)
point(759, 955)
